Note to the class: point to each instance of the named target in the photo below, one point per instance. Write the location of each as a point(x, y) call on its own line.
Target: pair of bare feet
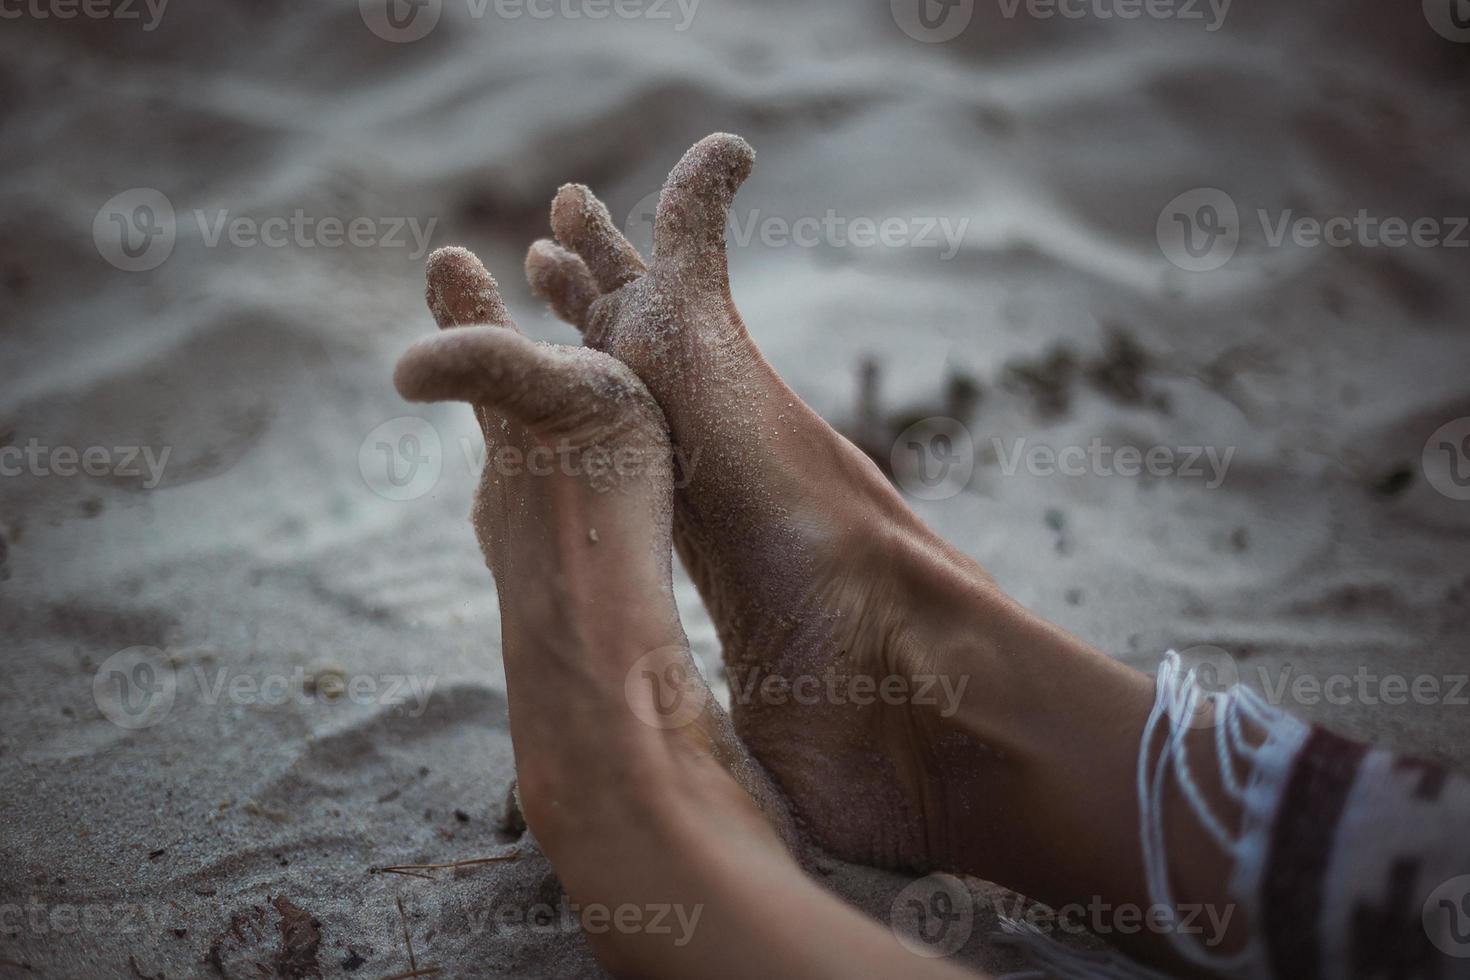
point(878, 711)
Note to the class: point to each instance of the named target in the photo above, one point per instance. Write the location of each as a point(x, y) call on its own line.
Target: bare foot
point(573, 516)
point(816, 572)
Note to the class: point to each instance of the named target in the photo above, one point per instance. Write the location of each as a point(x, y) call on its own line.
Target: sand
point(267, 561)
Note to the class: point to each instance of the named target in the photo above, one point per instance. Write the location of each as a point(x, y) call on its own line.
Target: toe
point(581, 222)
point(461, 292)
point(695, 205)
point(552, 390)
point(563, 280)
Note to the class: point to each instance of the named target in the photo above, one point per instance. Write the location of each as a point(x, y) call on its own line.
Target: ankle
point(1052, 727)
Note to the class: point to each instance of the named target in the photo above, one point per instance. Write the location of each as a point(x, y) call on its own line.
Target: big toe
point(557, 391)
point(461, 292)
point(694, 207)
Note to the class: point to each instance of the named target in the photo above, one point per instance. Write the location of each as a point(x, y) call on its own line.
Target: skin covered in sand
point(1024, 778)
point(782, 565)
point(802, 581)
point(813, 566)
point(692, 820)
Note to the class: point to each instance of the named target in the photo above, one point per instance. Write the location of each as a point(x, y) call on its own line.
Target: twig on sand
point(424, 870)
point(427, 871)
point(413, 965)
point(401, 871)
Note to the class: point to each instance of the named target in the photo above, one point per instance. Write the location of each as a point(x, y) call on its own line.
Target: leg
point(634, 804)
point(812, 565)
point(1022, 768)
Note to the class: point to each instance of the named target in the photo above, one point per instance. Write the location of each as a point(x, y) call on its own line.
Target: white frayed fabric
point(1345, 861)
point(1255, 747)
point(1249, 736)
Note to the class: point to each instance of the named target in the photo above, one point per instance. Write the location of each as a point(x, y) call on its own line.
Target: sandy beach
point(251, 647)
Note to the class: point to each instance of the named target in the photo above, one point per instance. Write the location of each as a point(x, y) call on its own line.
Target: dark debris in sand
point(1122, 372)
point(238, 949)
